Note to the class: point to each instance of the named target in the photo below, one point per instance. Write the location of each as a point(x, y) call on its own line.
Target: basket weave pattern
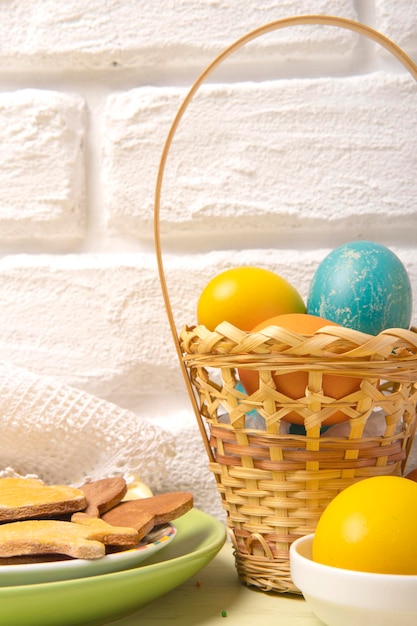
point(274, 485)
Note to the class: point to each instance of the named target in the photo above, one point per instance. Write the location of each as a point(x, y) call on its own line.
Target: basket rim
point(332, 349)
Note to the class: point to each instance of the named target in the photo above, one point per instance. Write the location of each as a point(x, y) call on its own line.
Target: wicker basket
point(273, 484)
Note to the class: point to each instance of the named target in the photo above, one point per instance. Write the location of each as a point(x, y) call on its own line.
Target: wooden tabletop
point(216, 597)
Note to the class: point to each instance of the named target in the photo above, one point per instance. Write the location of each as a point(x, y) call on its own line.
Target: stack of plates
point(97, 592)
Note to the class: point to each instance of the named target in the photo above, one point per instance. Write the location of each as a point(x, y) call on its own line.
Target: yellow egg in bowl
point(360, 565)
point(343, 597)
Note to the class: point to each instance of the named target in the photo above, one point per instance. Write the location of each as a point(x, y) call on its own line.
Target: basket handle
point(326, 20)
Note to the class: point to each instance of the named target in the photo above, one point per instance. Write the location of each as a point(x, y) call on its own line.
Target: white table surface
point(216, 589)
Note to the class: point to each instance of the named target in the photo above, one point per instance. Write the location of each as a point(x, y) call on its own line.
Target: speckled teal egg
point(364, 286)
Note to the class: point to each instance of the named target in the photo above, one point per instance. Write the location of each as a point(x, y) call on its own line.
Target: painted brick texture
point(282, 155)
point(304, 140)
point(51, 36)
point(398, 22)
point(42, 192)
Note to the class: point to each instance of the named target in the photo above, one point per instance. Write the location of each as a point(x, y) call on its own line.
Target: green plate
point(101, 599)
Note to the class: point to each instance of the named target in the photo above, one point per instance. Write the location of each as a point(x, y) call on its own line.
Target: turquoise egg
point(364, 286)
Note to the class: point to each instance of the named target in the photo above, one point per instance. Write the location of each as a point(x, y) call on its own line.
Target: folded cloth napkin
point(64, 435)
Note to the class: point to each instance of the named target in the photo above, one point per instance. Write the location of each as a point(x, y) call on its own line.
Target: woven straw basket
point(274, 485)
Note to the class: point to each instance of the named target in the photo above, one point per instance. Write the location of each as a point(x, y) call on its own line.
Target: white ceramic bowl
point(340, 597)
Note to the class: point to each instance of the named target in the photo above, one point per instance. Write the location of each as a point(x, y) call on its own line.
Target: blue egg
point(364, 286)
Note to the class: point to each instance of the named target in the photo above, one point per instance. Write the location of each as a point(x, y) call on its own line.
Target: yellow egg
point(245, 296)
point(371, 526)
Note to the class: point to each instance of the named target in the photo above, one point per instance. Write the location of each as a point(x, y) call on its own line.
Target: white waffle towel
point(67, 436)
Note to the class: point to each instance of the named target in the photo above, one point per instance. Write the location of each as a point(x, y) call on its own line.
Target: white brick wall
point(264, 178)
point(42, 192)
point(302, 141)
point(48, 35)
point(398, 22)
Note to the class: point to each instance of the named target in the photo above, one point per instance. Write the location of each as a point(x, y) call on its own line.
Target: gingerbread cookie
point(96, 518)
point(146, 513)
point(103, 494)
point(27, 498)
point(83, 538)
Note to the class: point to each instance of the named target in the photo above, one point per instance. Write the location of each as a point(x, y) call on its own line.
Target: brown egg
point(294, 384)
point(412, 475)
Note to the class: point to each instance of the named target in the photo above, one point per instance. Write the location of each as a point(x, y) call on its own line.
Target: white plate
point(33, 573)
